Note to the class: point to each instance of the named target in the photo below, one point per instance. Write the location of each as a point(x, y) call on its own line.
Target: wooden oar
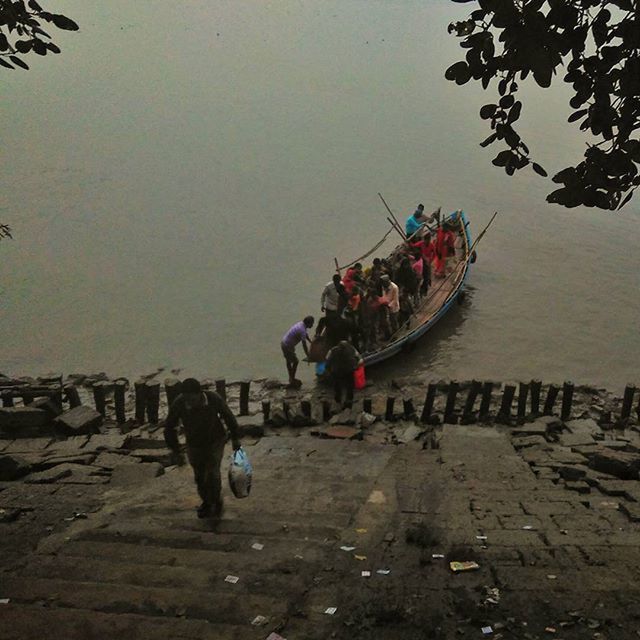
point(404, 235)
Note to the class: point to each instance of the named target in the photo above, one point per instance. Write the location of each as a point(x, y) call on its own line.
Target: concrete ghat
point(545, 513)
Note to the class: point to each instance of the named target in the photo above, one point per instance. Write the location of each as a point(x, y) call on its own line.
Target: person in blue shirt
point(415, 221)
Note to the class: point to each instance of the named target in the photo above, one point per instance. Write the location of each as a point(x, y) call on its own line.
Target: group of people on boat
point(365, 307)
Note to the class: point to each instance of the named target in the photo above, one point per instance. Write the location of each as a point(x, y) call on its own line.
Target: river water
point(181, 177)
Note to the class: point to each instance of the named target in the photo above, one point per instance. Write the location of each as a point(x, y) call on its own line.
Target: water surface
point(181, 177)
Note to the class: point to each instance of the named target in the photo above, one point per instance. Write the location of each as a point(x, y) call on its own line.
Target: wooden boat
point(442, 294)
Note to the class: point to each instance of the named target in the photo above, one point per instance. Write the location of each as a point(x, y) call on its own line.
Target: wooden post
point(550, 400)
point(7, 400)
point(536, 385)
point(427, 410)
point(326, 411)
point(100, 398)
point(221, 388)
point(266, 410)
point(305, 408)
point(286, 411)
point(485, 403)
point(119, 390)
point(141, 400)
point(388, 414)
point(27, 399)
point(450, 407)
point(504, 414)
point(523, 393)
point(367, 405)
point(474, 390)
point(244, 397)
point(407, 408)
point(627, 402)
point(567, 399)
point(153, 400)
point(72, 395)
point(172, 388)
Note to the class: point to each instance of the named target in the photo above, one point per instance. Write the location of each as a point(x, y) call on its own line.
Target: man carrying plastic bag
point(202, 414)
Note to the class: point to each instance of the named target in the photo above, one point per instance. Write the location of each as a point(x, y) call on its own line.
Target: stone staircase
point(145, 566)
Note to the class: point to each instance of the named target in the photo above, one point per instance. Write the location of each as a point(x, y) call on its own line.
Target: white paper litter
point(437, 555)
point(346, 548)
point(528, 527)
point(4, 600)
point(481, 537)
point(330, 610)
point(257, 546)
point(384, 572)
point(232, 579)
point(365, 574)
point(258, 621)
point(487, 631)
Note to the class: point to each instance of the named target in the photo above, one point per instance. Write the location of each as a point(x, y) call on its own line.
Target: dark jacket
point(203, 426)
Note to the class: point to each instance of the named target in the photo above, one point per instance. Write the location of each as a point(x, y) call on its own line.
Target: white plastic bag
point(240, 473)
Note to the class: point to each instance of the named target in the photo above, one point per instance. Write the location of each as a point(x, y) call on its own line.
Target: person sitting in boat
point(353, 277)
point(391, 300)
point(415, 221)
point(296, 334)
point(342, 361)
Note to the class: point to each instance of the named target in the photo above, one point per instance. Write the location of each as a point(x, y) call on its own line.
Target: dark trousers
point(343, 382)
point(206, 471)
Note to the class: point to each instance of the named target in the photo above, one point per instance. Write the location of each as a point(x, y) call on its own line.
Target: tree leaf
point(577, 115)
point(62, 22)
point(487, 111)
point(626, 199)
point(5, 64)
point(492, 138)
point(18, 62)
point(539, 170)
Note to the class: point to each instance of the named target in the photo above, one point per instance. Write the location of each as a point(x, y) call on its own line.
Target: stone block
point(339, 433)
point(163, 455)
point(49, 406)
point(571, 472)
point(576, 439)
point(79, 420)
point(522, 442)
point(621, 464)
point(49, 475)
point(131, 475)
point(406, 434)
point(109, 460)
point(583, 427)
point(251, 426)
point(13, 467)
point(537, 428)
point(106, 441)
point(578, 485)
point(17, 418)
point(631, 510)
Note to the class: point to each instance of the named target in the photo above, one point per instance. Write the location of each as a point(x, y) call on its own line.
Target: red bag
point(359, 380)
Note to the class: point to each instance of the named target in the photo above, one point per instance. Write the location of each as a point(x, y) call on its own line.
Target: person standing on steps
point(296, 334)
point(202, 414)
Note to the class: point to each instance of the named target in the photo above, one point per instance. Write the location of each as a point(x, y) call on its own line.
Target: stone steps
point(218, 563)
point(181, 571)
point(35, 622)
point(135, 534)
point(162, 602)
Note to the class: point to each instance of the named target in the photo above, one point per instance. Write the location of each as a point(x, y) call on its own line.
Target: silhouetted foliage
point(21, 31)
point(596, 44)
